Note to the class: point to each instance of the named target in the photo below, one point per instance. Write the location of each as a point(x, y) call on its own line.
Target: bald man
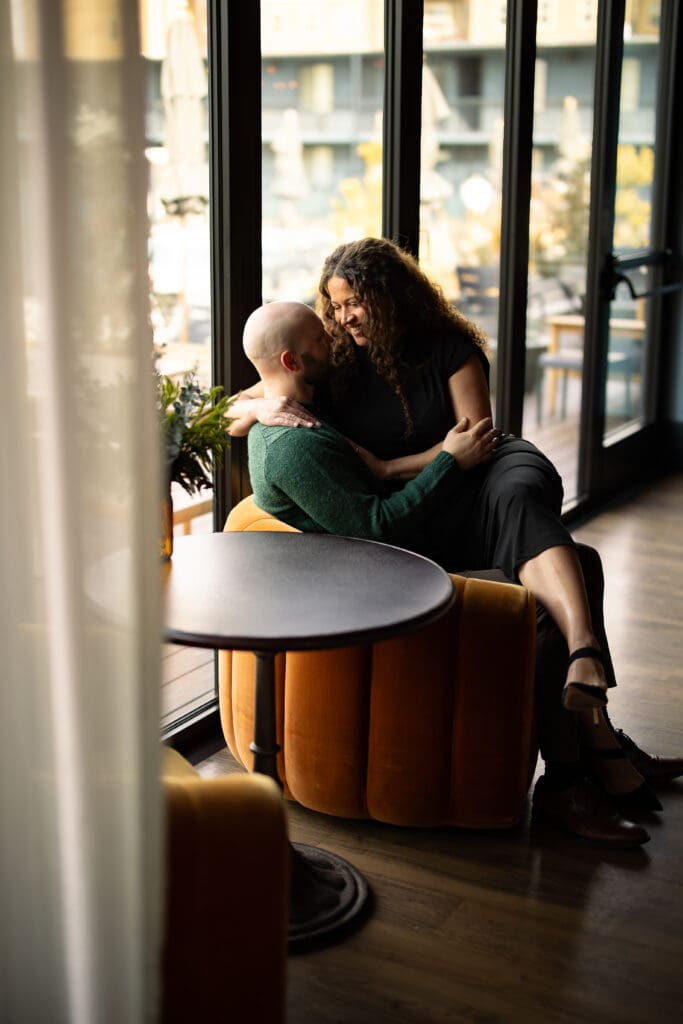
point(316, 481)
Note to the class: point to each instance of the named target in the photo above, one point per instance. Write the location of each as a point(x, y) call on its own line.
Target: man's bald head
point(275, 328)
point(289, 346)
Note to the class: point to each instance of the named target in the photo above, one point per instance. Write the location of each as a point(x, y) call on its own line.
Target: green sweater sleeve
point(314, 480)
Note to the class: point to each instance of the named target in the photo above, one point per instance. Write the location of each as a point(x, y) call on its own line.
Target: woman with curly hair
point(391, 327)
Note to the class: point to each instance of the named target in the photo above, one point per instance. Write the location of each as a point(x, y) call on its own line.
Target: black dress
point(504, 512)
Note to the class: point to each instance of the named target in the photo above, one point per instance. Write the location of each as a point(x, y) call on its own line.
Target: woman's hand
point(378, 467)
point(248, 408)
point(474, 446)
point(283, 412)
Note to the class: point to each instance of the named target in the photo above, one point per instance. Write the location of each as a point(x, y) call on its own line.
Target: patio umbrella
point(185, 181)
point(185, 187)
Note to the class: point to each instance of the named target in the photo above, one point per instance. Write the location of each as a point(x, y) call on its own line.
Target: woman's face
point(349, 311)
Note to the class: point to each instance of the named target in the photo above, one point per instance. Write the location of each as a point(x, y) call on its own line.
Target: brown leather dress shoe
point(652, 767)
point(583, 810)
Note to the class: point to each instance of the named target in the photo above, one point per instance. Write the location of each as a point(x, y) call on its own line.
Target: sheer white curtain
point(80, 808)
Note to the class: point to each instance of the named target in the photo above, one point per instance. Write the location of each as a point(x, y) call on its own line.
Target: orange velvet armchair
point(434, 728)
point(226, 905)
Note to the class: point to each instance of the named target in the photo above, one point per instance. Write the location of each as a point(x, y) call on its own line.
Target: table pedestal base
point(327, 894)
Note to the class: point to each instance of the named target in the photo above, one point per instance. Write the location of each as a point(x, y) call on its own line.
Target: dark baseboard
point(198, 739)
point(674, 444)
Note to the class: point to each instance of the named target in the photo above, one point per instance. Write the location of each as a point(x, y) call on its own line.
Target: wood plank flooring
point(187, 681)
point(529, 925)
point(187, 673)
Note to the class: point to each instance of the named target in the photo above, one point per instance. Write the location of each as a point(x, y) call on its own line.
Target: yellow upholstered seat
point(433, 728)
point(226, 906)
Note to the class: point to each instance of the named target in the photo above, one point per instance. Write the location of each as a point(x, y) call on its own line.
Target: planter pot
point(166, 528)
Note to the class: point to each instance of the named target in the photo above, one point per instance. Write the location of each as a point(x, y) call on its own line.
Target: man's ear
point(289, 360)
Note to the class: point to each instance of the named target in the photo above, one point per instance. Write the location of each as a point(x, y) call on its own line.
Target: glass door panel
point(558, 234)
point(625, 361)
point(633, 216)
point(322, 89)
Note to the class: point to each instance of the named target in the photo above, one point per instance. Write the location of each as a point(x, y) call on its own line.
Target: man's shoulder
point(297, 438)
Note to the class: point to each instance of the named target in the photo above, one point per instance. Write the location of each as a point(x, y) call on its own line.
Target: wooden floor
point(187, 673)
point(529, 925)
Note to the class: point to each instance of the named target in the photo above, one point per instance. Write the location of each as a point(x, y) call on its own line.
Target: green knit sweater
point(312, 479)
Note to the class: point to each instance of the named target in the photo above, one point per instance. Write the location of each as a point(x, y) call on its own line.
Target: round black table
point(272, 592)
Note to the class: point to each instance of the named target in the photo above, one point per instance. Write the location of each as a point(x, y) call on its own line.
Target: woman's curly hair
point(401, 304)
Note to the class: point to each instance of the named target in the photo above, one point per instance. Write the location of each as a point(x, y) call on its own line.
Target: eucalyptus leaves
point(194, 425)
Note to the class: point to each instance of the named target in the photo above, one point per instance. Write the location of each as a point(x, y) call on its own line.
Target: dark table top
point(296, 591)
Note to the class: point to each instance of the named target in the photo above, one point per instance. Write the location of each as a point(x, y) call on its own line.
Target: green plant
point(194, 426)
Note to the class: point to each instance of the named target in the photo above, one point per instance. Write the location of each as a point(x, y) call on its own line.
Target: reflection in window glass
point(322, 89)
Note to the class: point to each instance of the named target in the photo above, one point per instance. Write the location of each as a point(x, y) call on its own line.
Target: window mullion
point(402, 122)
point(235, 154)
point(514, 228)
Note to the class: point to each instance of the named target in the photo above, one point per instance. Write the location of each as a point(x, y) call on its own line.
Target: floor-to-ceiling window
point(173, 35)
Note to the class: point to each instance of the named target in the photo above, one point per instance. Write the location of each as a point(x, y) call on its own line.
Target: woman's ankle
point(586, 668)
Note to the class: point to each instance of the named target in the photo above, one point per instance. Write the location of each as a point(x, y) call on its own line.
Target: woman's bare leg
point(556, 579)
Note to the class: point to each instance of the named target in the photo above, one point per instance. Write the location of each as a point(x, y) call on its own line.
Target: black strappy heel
point(635, 800)
point(583, 696)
